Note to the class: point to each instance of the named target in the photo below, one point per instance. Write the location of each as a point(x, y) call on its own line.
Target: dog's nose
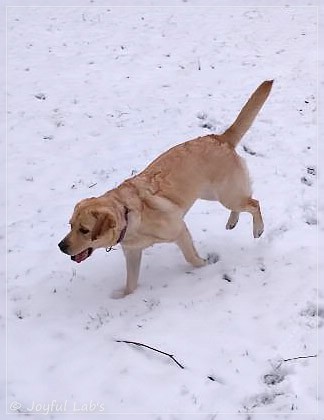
point(63, 246)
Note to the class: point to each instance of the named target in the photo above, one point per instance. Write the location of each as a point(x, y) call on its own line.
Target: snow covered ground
point(94, 94)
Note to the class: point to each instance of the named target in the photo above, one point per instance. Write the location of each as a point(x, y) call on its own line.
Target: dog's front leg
point(133, 263)
point(184, 242)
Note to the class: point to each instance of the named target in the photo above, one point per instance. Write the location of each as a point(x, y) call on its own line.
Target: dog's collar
point(123, 232)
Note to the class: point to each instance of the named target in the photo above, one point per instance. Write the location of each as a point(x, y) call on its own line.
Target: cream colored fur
point(157, 199)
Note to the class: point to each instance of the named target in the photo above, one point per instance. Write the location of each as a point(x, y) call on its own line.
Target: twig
point(92, 185)
point(151, 348)
point(300, 357)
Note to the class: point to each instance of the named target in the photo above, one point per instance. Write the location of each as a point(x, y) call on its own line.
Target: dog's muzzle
point(63, 246)
point(82, 255)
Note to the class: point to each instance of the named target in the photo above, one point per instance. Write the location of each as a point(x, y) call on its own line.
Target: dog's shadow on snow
point(164, 270)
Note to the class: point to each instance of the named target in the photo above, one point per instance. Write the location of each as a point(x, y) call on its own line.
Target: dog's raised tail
point(248, 113)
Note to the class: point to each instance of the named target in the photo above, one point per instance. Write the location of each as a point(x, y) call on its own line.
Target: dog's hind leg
point(184, 242)
point(251, 206)
point(233, 219)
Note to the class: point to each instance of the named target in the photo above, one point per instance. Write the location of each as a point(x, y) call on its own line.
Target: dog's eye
point(84, 231)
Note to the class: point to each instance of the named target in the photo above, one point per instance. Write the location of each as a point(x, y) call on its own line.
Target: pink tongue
point(81, 257)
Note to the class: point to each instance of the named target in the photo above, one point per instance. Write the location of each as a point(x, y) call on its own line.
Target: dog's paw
point(230, 225)
point(199, 262)
point(120, 293)
point(212, 258)
point(258, 232)
point(232, 220)
point(117, 294)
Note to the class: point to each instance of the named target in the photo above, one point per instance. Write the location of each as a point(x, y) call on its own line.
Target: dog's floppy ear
point(104, 222)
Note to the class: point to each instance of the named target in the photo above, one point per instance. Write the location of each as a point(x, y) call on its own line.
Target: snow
point(93, 95)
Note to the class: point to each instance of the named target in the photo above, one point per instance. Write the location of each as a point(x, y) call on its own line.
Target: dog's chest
point(139, 241)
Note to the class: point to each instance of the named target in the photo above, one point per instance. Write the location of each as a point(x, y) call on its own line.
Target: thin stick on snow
point(151, 348)
point(300, 357)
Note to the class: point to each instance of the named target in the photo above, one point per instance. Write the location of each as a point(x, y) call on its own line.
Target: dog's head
point(93, 225)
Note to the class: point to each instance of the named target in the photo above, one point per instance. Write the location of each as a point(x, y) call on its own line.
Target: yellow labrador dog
point(149, 208)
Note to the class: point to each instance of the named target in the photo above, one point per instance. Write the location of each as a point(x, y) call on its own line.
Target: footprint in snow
point(314, 316)
point(206, 122)
point(273, 378)
point(311, 310)
point(306, 181)
point(212, 258)
point(311, 170)
point(262, 399)
point(41, 96)
point(227, 278)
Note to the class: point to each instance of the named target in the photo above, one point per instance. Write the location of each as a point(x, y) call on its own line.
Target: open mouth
point(82, 255)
